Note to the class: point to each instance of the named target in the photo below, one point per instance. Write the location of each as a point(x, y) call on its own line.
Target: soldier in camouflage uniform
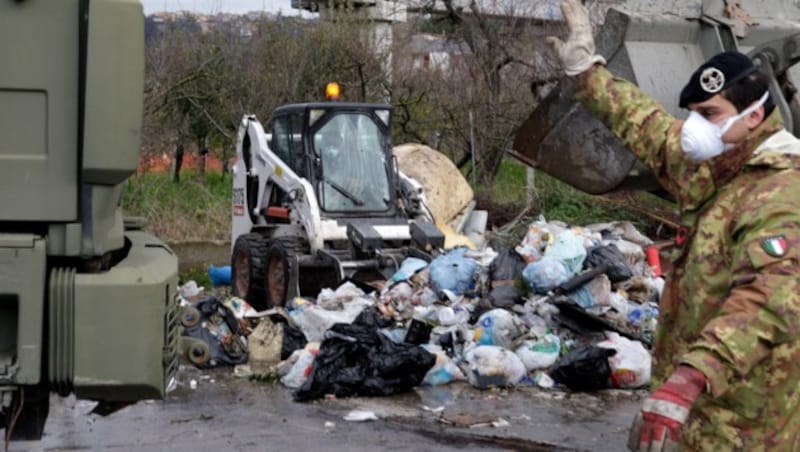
point(726, 364)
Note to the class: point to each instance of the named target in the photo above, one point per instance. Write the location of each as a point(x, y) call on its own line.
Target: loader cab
point(343, 150)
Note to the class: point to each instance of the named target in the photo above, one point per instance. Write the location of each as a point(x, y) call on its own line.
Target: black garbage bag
point(507, 266)
point(483, 305)
point(371, 316)
point(611, 258)
point(505, 297)
point(293, 339)
point(584, 369)
point(357, 360)
point(219, 328)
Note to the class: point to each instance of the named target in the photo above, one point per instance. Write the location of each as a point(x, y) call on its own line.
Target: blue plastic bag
point(453, 272)
point(546, 274)
point(408, 268)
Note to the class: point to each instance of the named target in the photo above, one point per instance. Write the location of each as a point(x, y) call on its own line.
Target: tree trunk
point(177, 163)
point(225, 168)
point(201, 162)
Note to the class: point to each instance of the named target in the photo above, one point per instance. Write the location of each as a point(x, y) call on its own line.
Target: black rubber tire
point(247, 269)
point(29, 425)
point(279, 272)
point(198, 354)
point(189, 316)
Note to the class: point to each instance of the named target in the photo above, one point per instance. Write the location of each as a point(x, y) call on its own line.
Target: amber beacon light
point(332, 91)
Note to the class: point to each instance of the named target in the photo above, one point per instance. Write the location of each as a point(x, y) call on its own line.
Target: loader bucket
point(656, 45)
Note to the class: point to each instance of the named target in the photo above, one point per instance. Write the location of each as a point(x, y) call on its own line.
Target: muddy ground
point(223, 412)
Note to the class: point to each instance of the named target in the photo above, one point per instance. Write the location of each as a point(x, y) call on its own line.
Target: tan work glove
point(577, 54)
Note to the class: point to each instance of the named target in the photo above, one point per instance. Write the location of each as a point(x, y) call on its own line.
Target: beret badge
point(712, 80)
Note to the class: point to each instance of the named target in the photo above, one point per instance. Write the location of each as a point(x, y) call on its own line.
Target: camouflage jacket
point(731, 308)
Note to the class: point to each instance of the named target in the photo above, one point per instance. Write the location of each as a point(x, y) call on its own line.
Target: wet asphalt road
point(226, 413)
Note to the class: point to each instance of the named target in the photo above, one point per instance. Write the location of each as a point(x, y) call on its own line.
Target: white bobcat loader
point(317, 198)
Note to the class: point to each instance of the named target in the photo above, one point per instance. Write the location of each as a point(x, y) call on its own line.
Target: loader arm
point(263, 165)
point(776, 58)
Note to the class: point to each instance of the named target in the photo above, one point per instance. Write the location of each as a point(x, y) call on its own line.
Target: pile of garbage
point(572, 307)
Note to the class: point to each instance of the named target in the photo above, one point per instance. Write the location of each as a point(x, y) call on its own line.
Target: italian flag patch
point(775, 246)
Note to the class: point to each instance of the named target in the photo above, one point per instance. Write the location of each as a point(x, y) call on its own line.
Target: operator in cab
point(727, 348)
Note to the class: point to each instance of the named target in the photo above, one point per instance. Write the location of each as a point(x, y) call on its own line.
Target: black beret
point(716, 74)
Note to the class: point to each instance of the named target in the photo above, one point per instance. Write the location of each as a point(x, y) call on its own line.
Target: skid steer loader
point(317, 198)
point(657, 45)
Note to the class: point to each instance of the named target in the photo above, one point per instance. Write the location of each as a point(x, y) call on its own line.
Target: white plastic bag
point(630, 367)
point(314, 320)
point(302, 366)
point(489, 365)
point(539, 354)
point(335, 299)
point(568, 248)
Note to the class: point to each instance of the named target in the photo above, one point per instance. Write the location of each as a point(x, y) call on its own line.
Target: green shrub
point(188, 210)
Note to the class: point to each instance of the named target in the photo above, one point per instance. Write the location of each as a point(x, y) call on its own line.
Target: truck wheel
point(280, 271)
point(247, 269)
point(27, 423)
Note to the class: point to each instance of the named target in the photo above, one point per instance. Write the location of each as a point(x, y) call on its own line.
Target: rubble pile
point(572, 307)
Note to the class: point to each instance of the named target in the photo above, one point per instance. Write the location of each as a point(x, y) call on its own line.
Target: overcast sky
point(218, 6)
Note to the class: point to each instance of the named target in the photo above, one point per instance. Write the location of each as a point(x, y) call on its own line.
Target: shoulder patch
point(775, 246)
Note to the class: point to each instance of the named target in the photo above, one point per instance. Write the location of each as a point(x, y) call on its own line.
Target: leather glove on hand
point(577, 54)
point(657, 426)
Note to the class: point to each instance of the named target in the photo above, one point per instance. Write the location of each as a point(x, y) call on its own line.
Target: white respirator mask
point(701, 139)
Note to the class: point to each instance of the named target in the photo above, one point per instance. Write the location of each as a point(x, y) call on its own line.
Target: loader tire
point(247, 269)
point(281, 270)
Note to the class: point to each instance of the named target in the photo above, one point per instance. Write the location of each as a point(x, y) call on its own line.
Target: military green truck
point(87, 299)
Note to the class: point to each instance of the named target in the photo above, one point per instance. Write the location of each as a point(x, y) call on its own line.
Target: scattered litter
point(190, 290)
point(569, 307)
point(466, 419)
point(193, 384)
point(438, 409)
point(542, 380)
point(241, 309)
point(360, 416)
point(329, 425)
point(500, 422)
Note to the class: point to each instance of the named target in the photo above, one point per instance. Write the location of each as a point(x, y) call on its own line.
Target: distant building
point(434, 53)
